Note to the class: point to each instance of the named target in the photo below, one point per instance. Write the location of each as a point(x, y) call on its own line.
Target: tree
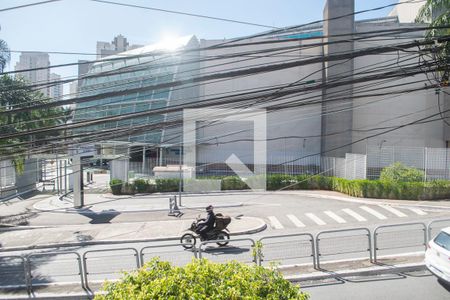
point(437, 13)
point(5, 55)
point(15, 93)
point(202, 279)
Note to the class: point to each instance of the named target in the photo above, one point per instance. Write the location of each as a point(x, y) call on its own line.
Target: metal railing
point(240, 250)
point(103, 267)
point(290, 248)
point(35, 261)
point(91, 266)
point(343, 242)
point(437, 224)
point(399, 236)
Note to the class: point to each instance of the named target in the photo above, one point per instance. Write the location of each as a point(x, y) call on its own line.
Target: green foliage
point(437, 13)
point(202, 279)
point(14, 92)
point(257, 251)
point(167, 184)
point(141, 185)
point(128, 189)
point(398, 172)
point(233, 183)
point(116, 186)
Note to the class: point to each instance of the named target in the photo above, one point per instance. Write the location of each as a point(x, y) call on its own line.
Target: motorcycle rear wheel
point(188, 240)
point(223, 236)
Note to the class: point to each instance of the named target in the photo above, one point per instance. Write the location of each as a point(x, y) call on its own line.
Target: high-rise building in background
point(119, 44)
point(34, 67)
point(34, 60)
point(55, 89)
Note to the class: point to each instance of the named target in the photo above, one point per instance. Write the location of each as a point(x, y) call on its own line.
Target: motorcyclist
point(205, 226)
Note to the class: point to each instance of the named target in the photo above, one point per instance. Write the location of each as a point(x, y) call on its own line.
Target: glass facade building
point(140, 68)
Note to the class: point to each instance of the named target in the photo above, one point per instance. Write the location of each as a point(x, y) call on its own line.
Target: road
point(409, 287)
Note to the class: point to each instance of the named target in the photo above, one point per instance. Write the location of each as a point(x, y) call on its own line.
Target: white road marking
point(315, 218)
point(393, 210)
point(417, 211)
point(373, 212)
point(335, 217)
point(354, 214)
point(296, 221)
point(275, 223)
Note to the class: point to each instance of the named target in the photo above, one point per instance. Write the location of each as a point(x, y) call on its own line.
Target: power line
point(185, 13)
point(27, 5)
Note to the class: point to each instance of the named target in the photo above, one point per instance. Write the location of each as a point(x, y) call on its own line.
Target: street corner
point(246, 225)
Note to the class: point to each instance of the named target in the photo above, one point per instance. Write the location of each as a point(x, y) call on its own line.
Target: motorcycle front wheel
point(188, 240)
point(223, 236)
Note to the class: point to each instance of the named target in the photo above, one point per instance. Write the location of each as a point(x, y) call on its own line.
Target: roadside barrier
point(95, 266)
point(238, 249)
point(13, 272)
point(107, 264)
point(344, 243)
point(436, 225)
point(399, 236)
point(171, 253)
point(39, 271)
point(288, 249)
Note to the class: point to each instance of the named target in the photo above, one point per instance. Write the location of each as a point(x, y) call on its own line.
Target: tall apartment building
point(56, 91)
point(119, 44)
point(30, 63)
point(33, 60)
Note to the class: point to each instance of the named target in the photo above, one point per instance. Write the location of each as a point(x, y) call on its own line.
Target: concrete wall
point(393, 110)
point(292, 130)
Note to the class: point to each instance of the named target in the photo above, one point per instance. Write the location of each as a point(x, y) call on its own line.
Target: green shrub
point(398, 172)
point(116, 186)
point(202, 279)
point(233, 183)
point(167, 184)
point(128, 189)
point(141, 185)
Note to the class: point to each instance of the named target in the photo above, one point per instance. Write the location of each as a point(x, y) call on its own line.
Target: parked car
point(437, 256)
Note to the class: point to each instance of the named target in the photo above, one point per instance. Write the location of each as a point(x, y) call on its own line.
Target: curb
point(255, 229)
point(358, 272)
point(85, 210)
point(374, 201)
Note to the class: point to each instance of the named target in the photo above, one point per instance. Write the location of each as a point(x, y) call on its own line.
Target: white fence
point(434, 162)
point(7, 174)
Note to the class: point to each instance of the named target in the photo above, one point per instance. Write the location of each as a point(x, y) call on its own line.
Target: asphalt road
point(410, 287)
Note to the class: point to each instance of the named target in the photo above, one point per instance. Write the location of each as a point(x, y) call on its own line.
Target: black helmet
point(209, 208)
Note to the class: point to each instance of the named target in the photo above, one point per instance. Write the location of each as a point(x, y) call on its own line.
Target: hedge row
point(357, 188)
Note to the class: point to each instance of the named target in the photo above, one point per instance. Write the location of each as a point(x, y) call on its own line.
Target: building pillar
point(337, 28)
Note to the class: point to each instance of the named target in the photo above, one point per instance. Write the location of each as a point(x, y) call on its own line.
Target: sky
point(76, 25)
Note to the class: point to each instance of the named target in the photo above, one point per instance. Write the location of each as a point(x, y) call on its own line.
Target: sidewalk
point(73, 235)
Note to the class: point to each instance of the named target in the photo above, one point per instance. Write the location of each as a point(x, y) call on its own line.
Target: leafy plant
point(141, 185)
point(398, 172)
point(116, 186)
point(202, 279)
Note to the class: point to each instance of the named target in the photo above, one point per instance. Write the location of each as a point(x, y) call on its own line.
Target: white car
point(437, 256)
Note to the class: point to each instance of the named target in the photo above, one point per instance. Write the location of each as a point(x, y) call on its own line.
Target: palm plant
point(437, 14)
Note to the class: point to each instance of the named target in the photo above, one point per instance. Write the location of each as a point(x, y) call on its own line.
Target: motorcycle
point(218, 233)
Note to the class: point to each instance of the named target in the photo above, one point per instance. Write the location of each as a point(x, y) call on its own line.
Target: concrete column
point(342, 121)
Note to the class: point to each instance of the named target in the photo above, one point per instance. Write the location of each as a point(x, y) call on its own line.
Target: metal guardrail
point(167, 254)
point(33, 260)
point(348, 242)
point(292, 247)
point(434, 224)
point(286, 248)
point(398, 236)
point(240, 253)
point(105, 262)
point(16, 273)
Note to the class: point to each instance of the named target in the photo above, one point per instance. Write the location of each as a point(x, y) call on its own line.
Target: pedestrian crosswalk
point(362, 213)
